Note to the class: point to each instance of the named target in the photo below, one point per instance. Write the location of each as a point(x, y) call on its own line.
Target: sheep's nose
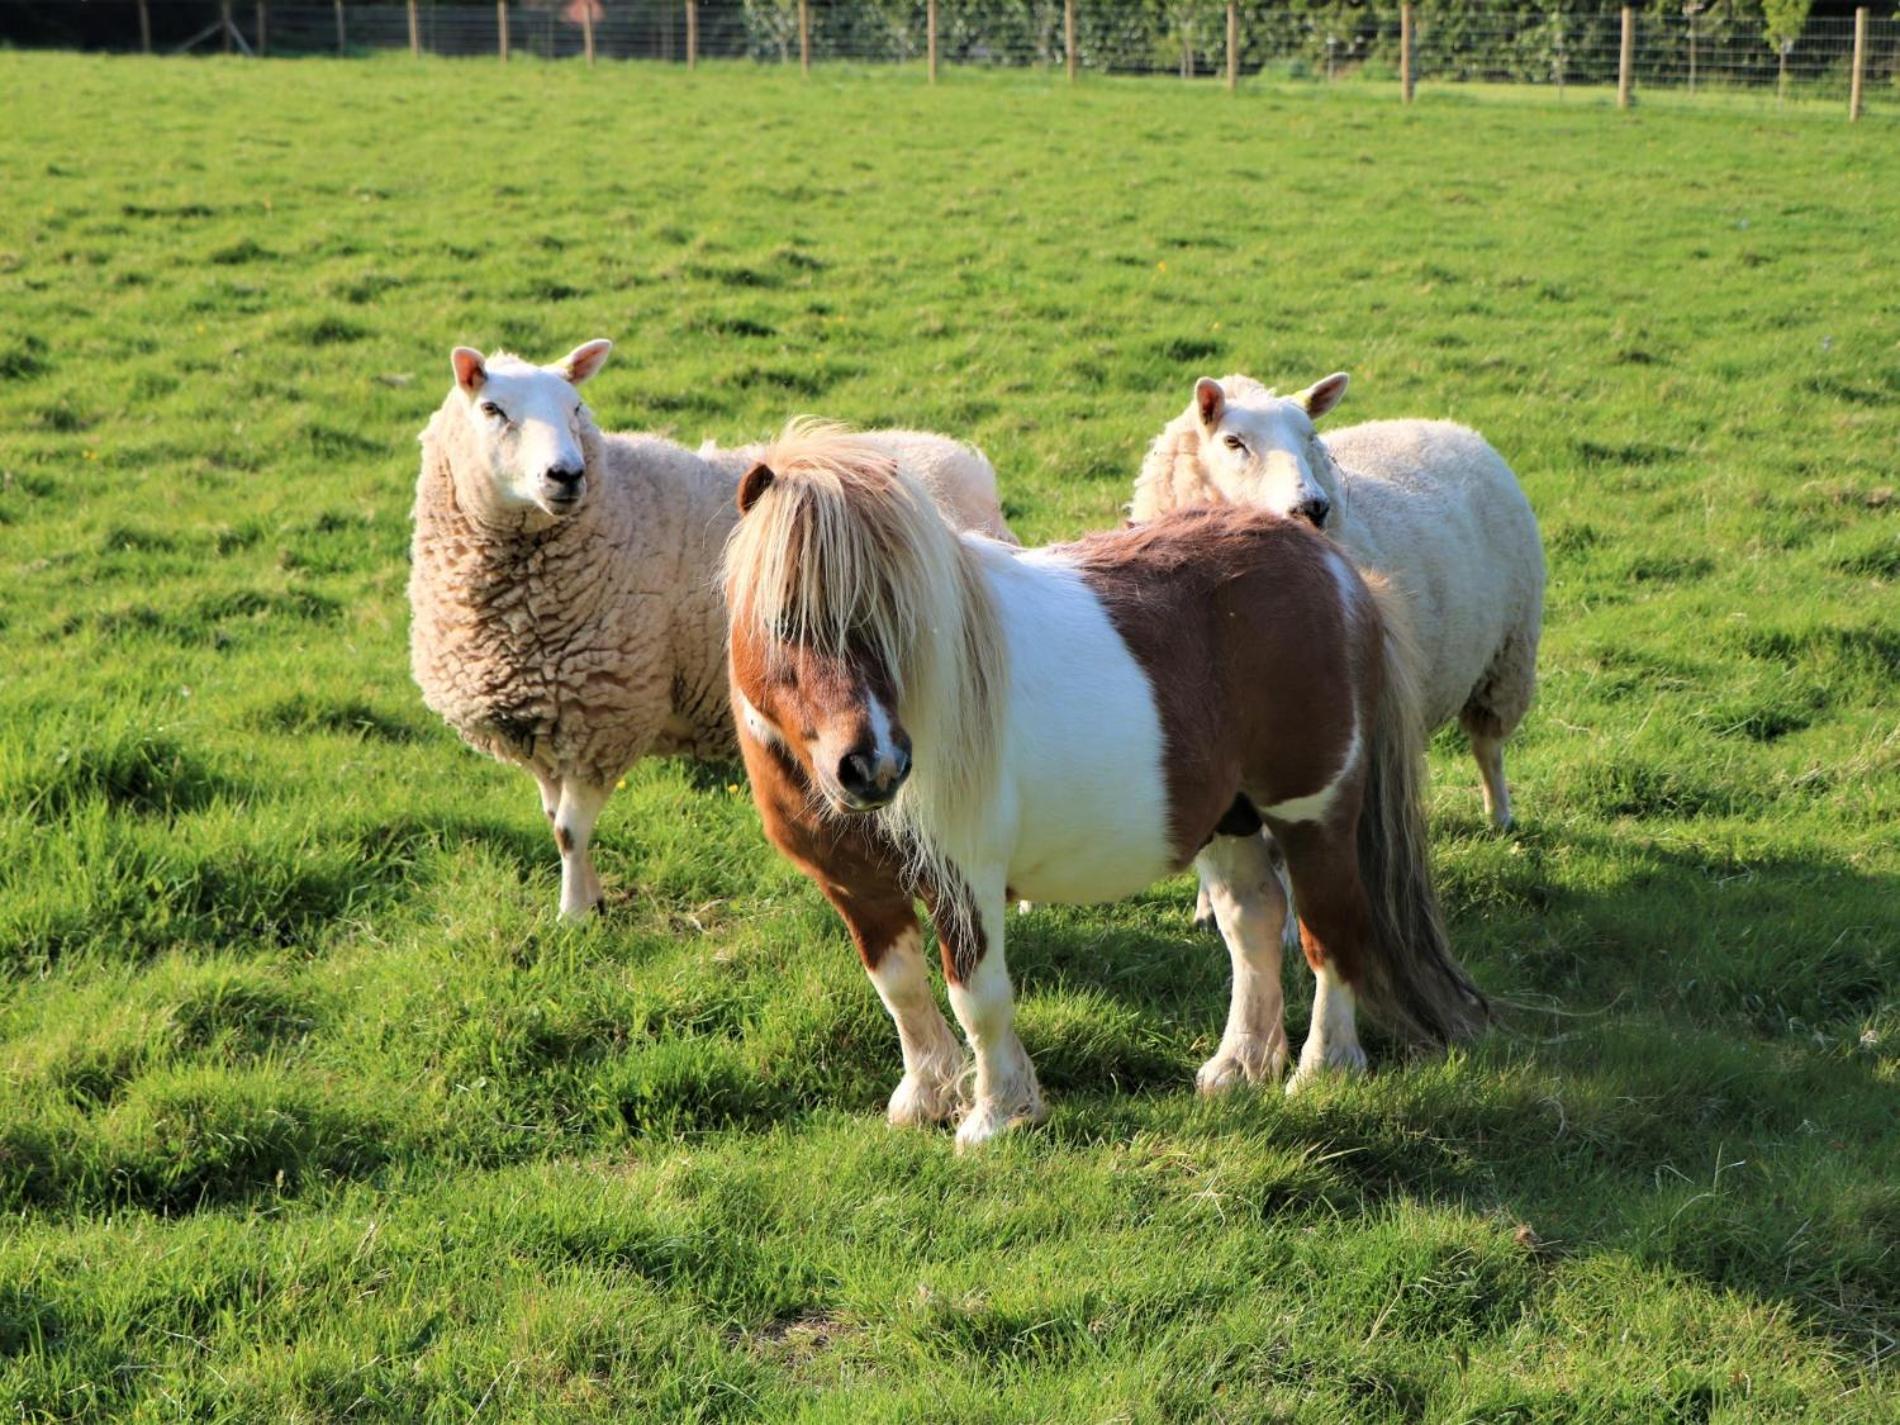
point(1314, 511)
point(566, 476)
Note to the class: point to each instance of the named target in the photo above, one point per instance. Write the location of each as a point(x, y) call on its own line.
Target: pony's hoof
point(1251, 1061)
point(1343, 1059)
point(989, 1118)
point(920, 1103)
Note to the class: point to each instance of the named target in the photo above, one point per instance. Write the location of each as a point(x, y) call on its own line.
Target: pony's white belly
point(1082, 744)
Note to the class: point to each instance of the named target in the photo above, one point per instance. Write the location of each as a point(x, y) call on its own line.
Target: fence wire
point(1700, 47)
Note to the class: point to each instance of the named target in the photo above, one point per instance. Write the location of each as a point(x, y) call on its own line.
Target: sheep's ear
point(1210, 401)
point(756, 482)
point(1323, 395)
point(584, 360)
point(471, 373)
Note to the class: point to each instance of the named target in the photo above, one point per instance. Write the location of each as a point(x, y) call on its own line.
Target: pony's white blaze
point(1083, 743)
point(884, 762)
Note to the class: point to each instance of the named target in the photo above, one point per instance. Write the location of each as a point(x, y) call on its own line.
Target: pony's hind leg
point(1006, 1093)
point(1335, 929)
point(885, 929)
point(1243, 888)
point(574, 820)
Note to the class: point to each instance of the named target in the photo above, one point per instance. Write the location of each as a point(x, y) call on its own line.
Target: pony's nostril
point(900, 764)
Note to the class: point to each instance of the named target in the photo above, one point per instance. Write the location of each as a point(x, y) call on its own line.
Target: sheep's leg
point(550, 794)
point(1243, 886)
point(1497, 795)
point(574, 822)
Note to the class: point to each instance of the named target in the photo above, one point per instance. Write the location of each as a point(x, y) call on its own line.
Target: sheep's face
point(530, 425)
point(1261, 449)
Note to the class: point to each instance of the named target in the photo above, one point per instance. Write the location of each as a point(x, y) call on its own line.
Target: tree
point(1782, 23)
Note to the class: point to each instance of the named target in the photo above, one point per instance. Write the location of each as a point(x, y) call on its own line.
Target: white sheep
point(566, 615)
point(1429, 504)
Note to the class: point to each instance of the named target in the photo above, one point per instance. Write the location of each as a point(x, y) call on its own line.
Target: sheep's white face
point(1262, 449)
point(528, 421)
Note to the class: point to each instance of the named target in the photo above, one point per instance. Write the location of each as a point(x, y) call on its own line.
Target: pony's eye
point(489, 408)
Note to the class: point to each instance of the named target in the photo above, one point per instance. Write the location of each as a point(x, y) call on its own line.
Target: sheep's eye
point(1234, 442)
point(489, 408)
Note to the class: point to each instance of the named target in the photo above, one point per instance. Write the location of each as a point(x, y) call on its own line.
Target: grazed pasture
point(310, 1110)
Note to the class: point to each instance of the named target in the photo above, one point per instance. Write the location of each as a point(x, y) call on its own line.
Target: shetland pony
point(931, 715)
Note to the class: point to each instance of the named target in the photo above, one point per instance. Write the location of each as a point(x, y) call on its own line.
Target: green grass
point(310, 1110)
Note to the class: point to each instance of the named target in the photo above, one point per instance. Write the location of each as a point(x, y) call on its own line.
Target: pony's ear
point(584, 360)
point(1323, 395)
point(471, 373)
point(1209, 400)
point(756, 482)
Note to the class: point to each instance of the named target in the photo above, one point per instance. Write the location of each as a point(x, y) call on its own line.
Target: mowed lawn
point(309, 1108)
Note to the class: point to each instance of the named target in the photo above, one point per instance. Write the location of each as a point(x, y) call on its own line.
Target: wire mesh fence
point(1697, 47)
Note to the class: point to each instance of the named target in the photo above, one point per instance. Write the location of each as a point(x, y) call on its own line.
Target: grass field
point(309, 1108)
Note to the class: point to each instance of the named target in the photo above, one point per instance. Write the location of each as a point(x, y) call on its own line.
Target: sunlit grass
point(310, 1110)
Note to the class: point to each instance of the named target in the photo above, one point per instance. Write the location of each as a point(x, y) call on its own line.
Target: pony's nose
point(1314, 511)
point(871, 780)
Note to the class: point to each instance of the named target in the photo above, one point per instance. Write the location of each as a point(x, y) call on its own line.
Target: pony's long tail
point(1412, 983)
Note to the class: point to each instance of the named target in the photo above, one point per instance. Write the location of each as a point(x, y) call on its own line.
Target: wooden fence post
point(263, 27)
point(1068, 36)
point(501, 28)
point(342, 34)
point(1860, 65)
point(224, 25)
point(415, 32)
point(1626, 59)
point(1691, 14)
point(587, 33)
point(692, 34)
point(1406, 74)
point(1233, 45)
point(145, 27)
point(930, 21)
point(804, 36)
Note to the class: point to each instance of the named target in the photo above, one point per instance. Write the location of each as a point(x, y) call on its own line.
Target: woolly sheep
point(566, 616)
point(1428, 504)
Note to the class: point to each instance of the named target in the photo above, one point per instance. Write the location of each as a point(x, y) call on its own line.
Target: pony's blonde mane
point(844, 546)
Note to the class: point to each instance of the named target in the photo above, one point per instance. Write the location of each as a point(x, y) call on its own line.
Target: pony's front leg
point(574, 820)
point(1006, 1092)
point(889, 943)
point(1243, 888)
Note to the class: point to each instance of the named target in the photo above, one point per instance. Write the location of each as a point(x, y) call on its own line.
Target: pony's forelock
point(846, 551)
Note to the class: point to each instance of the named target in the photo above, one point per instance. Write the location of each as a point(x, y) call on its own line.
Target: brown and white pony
point(938, 716)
